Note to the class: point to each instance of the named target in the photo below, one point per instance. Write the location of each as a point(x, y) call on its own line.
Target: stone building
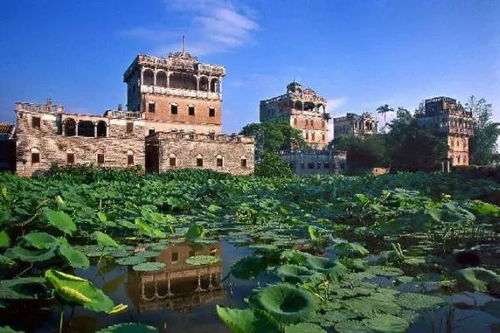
point(304, 109)
point(449, 119)
point(170, 106)
point(353, 124)
point(310, 162)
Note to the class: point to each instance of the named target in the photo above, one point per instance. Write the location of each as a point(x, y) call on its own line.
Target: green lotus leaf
point(149, 267)
point(352, 326)
point(354, 250)
point(384, 271)
point(22, 288)
point(147, 254)
point(76, 290)
point(41, 240)
point(371, 305)
point(294, 257)
point(133, 260)
point(246, 321)
point(202, 260)
point(248, 267)
point(285, 302)
point(119, 254)
point(478, 279)
point(7, 329)
point(416, 302)
point(4, 239)
point(60, 220)
point(296, 274)
point(104, 240)
point(74, 257)
point(6, 262)
point(386, 323)
point(128, 328)
point(303, 328)
point(195, 232)
point(31, 256)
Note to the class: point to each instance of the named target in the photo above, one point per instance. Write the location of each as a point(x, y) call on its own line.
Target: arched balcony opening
point(148, 77)
point(69, 127)
point(214, 85)
point(183, 81)
point(102, 129)
point(161, 79)
point(204, 83)
point(86, 128)
point(308, 106)
point(298, 105)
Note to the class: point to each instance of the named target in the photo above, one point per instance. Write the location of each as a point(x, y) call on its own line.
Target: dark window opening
point(69, 127)
point(220, 162)
point(310, 165)
point(86, 128)
point(211, 112)
point(318, 165)
point(172, 161)
point(151, 131)
point(35, 158)
point(302, 166)
point(70, 158)
point(199, 162)
point(151, 107)
point(130, 159)
point(101, 129)
point(326, 165)
point(173, 109)
point(59, 124)
point(35, 122)
point(130, 128)
point(100, 158)
point(191, 110)
point(292, 166)
point(243, 162)
point(175, 256)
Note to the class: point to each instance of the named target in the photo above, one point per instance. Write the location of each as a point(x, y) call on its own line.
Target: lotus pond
point(83, 250)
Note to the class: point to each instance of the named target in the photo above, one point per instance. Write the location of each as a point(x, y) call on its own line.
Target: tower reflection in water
point(179, 286)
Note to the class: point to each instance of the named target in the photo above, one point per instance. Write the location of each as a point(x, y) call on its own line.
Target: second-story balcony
point(181, 92)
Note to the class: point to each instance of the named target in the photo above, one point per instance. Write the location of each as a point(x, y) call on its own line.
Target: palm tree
point(384, 109)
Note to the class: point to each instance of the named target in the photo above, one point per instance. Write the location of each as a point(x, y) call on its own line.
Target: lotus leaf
point(385, 271)
point(195, 232)
point(76, 290)
point(248, 267)
point(60, 220)
point(370, 305)
point(7, 329)
point(417, 302)
point(478, 279)
point(73, 257)
point(128, 328)
point(202, 260)
point(6, 262)
point(346, 249)
point(386, 323)
point(133, 260)
point(285, 302)
point(4, 239)
point(304, 327)
point(104, 240)
point(149, 267)
point(22, 288)
point(31, 256)
point(295, 273)
point(246, 321)
point(41, 240)
point(147, 254)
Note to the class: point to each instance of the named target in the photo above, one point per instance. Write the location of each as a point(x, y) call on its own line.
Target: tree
point(484, 142)
point(363, 151)
point(384, 110)
point(271, 137)
point(413, 148)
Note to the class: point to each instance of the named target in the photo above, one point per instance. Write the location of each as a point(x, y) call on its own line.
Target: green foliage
point(74, 257)
point(304, 327)
point(272, 165)
point(478, 279)
point(4, 239)
point(32, 256)
point(195, 232)
point(149, 267)
point(363, 151)
point(246, 321)
point(22, 288)
point(41, 240)
point(419, 302)
point(346, 249)
point(132, 260)
point(128, 328)
point(202, 260)
point(60, 220)
point(104, 240)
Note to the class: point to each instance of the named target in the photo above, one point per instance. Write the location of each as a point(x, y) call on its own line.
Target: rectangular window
point(173, 108)
point(326, 165)
point(151, 131)
point(199, 162)
point(211, 112)
point(220, 162)
point(100, 158)
point(151, 107)
point(130, 159)
point(243, 162)
point(130, 127)
point(311, 165)
point(172, 161)
point(175, 257)
point(302, 165)
point(70, 158)
point(35, 158)
point(35, 122)
point(191, 110)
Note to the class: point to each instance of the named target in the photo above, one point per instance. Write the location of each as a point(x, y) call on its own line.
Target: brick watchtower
point(177, 92)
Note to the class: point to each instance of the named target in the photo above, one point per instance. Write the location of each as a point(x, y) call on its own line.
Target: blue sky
point(358, 54)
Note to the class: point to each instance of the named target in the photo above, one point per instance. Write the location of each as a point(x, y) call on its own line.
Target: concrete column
point(154, 77)
point(197, 83)
point(142, 76)
point(95, 130)
point(220, 87)
point(76, 128)
point(168, 79)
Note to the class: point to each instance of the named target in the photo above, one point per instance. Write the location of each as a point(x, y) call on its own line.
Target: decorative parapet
point(180, 92)
point(179, 135)
point(120, 114)
point(37, 107)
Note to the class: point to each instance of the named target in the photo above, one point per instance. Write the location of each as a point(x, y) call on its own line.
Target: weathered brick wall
point(186, 150)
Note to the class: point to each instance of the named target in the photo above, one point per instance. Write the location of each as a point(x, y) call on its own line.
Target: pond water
point(183, 297)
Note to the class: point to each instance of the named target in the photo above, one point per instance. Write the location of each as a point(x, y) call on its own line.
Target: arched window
point(313, 136)
point(161, 79)
point(70, 157)
point(214, 85)
point(183, 81)
point(199, 161)
point(102, 129)
point(220, 161)
point(172, 161)
point(100, 157)
point(148, 77)
point(85, 128)
point(35, 155)
point(204, 83)
point(308, 106)
point(130, 158)
point(307, 135)
point(298, 105)
point(69, 127)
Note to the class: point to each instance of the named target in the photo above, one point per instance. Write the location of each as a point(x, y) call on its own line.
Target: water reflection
point(179, 286)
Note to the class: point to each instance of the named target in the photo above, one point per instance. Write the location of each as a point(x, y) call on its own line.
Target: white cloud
point(212, 26)
point(335, 103)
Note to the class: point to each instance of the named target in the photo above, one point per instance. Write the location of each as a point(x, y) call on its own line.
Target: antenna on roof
point(183, 45)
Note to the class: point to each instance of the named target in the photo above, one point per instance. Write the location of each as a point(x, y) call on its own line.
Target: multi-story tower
point(304, 109)
point(352, 124)
point(177, 92)
point(450, 120)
